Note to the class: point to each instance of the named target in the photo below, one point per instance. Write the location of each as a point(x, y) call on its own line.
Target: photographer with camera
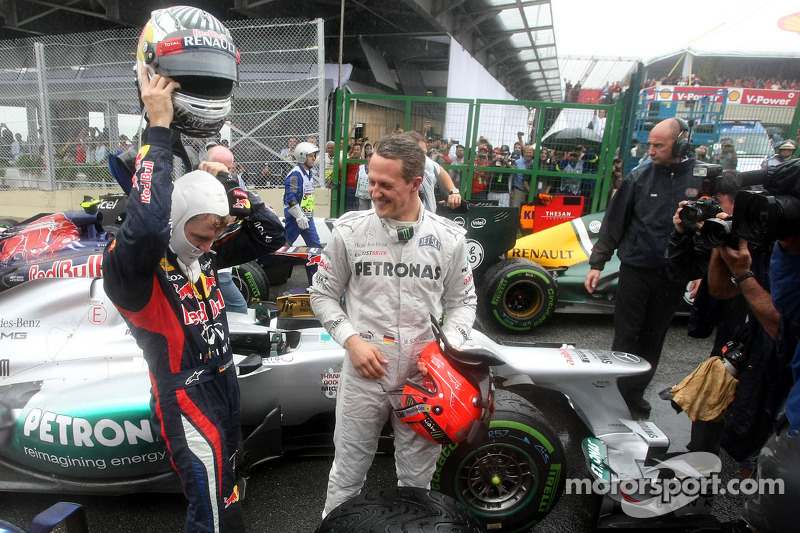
point(764, 217)
point(735, 295)
point(780, 456)
point(764, 378)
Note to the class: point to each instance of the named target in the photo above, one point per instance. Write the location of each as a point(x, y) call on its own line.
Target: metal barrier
point(72, 100)
point(561, 127)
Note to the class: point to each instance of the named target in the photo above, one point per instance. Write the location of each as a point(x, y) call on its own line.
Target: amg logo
point(14, 335)
point(5, 367)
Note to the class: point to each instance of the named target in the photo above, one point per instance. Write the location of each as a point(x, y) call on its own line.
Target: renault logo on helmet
point(625, 357)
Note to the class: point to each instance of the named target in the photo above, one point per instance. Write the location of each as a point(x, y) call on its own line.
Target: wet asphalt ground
point(287, 495)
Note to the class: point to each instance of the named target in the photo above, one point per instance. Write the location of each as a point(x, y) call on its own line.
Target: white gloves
point(299, 217)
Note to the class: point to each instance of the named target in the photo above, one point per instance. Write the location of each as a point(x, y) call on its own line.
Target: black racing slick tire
point(512, 478)
point(278, 272)
point(400, 510)
point(251, 281)
point(519, 294)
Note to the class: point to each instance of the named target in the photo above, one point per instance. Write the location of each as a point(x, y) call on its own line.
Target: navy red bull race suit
point(180, 326)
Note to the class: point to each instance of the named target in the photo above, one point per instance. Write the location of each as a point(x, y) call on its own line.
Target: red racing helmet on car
point(444, 406)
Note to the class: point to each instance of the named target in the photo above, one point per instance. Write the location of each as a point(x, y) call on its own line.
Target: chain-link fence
point(68, 101)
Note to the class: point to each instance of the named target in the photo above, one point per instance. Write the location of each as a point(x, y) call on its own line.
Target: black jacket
point(170, 317)
point(638, 221)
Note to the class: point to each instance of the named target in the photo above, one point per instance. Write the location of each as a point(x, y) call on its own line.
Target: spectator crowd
point(748, 82)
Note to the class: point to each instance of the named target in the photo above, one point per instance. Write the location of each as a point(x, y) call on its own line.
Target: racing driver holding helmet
point(160, 272)
point(395, 264)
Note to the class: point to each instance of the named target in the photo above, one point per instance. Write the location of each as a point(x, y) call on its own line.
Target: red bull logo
point(209, 282)
point(66, 269)
point(233, 497)
point(186, 291)
point(317, 260)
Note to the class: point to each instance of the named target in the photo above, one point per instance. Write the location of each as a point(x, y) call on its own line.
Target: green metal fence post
point(337, 136)
point(794, 129)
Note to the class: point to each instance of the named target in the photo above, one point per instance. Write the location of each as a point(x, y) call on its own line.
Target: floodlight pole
point(341, 45)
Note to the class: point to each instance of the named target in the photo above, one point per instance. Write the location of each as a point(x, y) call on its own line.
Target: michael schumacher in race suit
point(396, 264)
point(162, 280)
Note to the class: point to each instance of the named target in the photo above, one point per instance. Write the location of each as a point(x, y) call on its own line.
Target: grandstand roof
point(771, 29)
point(594, 72)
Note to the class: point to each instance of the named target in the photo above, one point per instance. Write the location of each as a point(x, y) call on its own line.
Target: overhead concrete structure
point(404, 43)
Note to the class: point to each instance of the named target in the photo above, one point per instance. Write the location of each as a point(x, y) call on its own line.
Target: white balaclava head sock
point(195, 193)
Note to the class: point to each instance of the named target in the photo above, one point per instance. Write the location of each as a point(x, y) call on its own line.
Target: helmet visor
point(197, 55)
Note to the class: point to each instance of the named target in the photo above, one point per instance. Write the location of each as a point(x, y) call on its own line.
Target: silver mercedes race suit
point(392, 280)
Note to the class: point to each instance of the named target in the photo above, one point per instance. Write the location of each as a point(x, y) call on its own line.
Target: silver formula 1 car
point(78, 386)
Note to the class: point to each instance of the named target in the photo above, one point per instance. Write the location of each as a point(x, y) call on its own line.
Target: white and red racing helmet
point(444, 406)
point(193, 48)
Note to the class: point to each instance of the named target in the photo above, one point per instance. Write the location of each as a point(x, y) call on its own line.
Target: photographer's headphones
point(682, 145)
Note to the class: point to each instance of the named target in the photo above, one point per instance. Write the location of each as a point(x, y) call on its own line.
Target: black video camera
point(773, 213)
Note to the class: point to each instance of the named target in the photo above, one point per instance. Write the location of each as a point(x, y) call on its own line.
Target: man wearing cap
point(785, 152)
point(160, 272)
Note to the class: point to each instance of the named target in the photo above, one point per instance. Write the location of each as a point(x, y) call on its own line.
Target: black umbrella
point(569, 138)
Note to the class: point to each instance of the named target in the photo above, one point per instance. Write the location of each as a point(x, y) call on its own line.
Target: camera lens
point(716, 233)
point(763, 218)
point(689, 215)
